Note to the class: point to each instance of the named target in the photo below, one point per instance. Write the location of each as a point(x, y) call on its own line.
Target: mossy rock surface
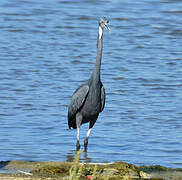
point(20, 170)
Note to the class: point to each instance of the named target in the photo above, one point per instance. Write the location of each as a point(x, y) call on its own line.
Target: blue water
point(48, 48)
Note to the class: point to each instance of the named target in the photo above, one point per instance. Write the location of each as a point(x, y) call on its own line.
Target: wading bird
point(89, 99)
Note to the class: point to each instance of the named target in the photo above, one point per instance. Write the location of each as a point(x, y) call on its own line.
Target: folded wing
point(77, 101)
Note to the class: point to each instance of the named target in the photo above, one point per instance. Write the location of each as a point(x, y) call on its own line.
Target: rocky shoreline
point(22, 170)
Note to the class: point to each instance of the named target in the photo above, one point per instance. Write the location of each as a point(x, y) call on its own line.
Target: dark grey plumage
point(89, 99)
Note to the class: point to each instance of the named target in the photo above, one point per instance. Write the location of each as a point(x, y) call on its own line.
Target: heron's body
point(91, 106)
point(89, 99)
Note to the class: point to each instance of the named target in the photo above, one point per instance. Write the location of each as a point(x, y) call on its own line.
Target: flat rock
point(22, 170)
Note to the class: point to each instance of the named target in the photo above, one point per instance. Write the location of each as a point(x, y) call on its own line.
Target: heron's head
point(104, 24)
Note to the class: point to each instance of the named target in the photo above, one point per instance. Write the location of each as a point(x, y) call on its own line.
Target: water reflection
point(70, 156)
point(86, 157)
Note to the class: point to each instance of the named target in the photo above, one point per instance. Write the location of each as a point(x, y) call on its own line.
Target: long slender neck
point(96, 72)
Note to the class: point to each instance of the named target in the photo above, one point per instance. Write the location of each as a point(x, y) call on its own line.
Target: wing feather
point(77, 101)
point(102, 98)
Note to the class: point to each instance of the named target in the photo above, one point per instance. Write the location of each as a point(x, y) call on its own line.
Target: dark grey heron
point(89, 99)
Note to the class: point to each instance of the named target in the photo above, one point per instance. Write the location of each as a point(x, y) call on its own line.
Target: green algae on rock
point(106, 171)
point(22, 170)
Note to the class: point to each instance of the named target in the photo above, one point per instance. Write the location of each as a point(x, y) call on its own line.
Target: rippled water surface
point(48, 48)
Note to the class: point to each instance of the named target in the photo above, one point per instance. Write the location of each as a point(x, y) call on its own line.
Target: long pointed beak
point(107, 28)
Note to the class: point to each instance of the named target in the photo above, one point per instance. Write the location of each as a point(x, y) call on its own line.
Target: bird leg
point(78, 123)
point(86, 139)
point(88, 134)
point(78, 136)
